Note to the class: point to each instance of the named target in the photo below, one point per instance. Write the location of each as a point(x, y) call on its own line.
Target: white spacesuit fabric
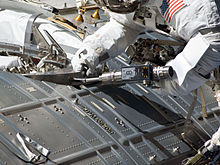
point(112, 38)
point(189, 57)
point(13, 24)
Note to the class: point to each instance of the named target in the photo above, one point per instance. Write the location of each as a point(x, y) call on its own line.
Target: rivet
point(75, 101)
point(176, 149)
point(152, 157)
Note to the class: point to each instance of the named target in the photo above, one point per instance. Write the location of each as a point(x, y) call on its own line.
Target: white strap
point(189, 57)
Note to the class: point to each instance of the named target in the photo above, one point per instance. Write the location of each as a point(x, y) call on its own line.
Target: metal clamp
point(26, 141)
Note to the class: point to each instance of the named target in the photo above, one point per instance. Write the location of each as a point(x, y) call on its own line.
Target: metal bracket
point(26, 142)
point(28, 31)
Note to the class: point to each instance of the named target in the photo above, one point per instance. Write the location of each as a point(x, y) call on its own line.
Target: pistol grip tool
point(144, 73)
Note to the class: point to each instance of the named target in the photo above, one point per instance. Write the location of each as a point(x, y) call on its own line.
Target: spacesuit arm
point(107, 42)
point(214, 143)
point(191, 67)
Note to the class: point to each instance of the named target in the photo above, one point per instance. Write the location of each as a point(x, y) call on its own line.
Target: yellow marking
point(204, 113)
point(78, 110)
point(137, 97)
point(142, 88)
point(65, 23)
point(122, 58)
point(98, 107)
point(89, 7)
point(123, 100)
point(110, 104)
point(144, 74)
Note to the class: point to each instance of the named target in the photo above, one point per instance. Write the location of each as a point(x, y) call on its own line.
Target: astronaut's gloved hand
point(87, 59)
point(214, 143)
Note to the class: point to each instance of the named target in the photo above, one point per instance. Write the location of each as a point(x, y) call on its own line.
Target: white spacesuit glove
point(214, 143)
point(88, 58)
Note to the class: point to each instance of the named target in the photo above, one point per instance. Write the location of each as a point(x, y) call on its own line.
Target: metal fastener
point(152, 157)
point(176, 149)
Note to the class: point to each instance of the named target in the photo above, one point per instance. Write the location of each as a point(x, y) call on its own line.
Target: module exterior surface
point(111, 125)
point(97, 125)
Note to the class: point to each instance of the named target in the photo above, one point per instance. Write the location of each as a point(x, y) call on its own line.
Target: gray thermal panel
point(127, 124)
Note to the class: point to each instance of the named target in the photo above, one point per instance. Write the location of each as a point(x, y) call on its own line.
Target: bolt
point(176, 149)
point(152, 157)
point(75, 101)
